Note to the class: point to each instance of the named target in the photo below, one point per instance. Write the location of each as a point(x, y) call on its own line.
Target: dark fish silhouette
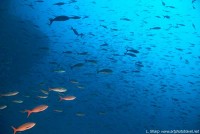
point(78, 65)
point(155, 28)
point(130, 54)
point(62, 18)
point(132, 50)
point(59, 18)
point(193, 26)
point(105, 71)
point(59, 3)
point(76, 32)
point(170, 6)
point(104, 26)
point(166, 16)
point(163, 3)
point(125, 19)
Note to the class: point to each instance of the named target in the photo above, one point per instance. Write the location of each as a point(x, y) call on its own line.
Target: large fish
point(37, 109)
point(59, 18)
point(62, 18)
point(23, 127)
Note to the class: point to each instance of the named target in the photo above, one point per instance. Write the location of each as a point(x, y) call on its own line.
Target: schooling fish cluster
point(36, 109)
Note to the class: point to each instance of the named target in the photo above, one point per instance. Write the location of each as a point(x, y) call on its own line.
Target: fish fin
point(14, 130)
point(60, 98)
point(29, 112)
point(51, 21)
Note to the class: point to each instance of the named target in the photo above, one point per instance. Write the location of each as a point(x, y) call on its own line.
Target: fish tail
point(14, 130)
point(60, 98)
point(51, 21)
point(29, 112)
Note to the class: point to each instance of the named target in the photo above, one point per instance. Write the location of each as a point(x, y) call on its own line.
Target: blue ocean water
point(133, 66)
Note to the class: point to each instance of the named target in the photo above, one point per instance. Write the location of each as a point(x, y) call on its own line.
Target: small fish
point(76, 32)
point(193, 26)
point(80, 87)
point(59, 3)
point(180, 24)
point(83, 53)
point(37, 109)
point(163, 3)
point(44, 92)
point(166, 16)
point(179, 49)
point(105, 44)
point(59, 71)
point(67, 52)
point(18, 101)
point(42, 97)
point(102, 113)
point(105, 71)
point(59, 111)
point(9, 94)
point(78, 65)
point(132, 50)
point(131, 54)
point(59, 18)
point(91, 61)
point(3, 107)
point(59, 89)
point(104, 26)
point(53, 62)
point(74, 81)
point(67, 98)
point(80, 114)
point(72, 1)
point(23, 127)
point(155, 28)
point(170, 6)
point(114, 29)
point(126, 19)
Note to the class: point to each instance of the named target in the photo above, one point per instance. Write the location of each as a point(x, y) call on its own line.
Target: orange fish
point(67, 98)
point(37, 109)
point(23, 127)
